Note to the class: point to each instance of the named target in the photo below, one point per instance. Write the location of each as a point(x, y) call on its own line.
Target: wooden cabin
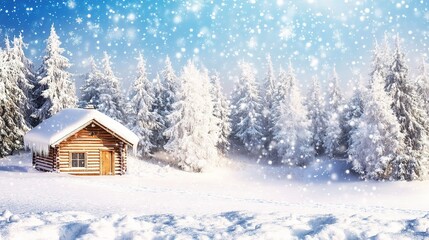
point(80, 142)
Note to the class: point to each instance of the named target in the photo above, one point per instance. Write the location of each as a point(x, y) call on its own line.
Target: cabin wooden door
point(107, 163)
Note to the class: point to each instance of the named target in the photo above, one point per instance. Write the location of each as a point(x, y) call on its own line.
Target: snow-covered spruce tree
point(2, 81)
point(192, 142)
point(381, 61)
point(111, 99)
point(422, 82)
point(221, 111)
point(333, 110)
point(157, 137)
point(142, 118)
point(382, 58)
point(267, 94)
point(91, 87)
point(317, 116)
point(214, 124)
point(170, 94)
point(292, 128)
point(12, 120)
point(246, 111)
point(412, 119)
point(26, 76)
point(54, 88)
point(350, 117)
point(3, 101)
point(377, 143)
point(282, 86)
point(17, 72)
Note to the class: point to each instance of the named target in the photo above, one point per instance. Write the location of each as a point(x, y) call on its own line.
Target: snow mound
point(227, 225)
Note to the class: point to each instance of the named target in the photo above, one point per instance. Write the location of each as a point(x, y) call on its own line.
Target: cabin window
point(78, 160)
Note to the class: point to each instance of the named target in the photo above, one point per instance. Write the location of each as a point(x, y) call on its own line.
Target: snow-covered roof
point(54, 129)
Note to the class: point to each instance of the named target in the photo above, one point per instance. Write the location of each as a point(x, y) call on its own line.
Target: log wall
point(90, 140)
point(44, 163)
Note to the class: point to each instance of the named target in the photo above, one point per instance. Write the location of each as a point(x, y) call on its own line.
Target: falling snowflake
point(131, 17)
point(79, 20)
point(314, 62)
point(76, 40)
point(286, 33)
point(71, 4)
point(177, 19)
point(252, 43)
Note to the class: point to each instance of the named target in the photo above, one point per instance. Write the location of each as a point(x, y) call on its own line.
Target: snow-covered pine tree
point(191, 140)
point(292, 128)
point(267, 94)
point(91, 87)
point(317, 116)
point(4, 150)
point(111, 99)
point(382, 58)
point(142, 117)
point(380, 66)
point(422, 82)
point(170, 94)
point(246, 110)
point(333, 110)
point(221, 111)
point(26, 78)
point(12, 121)
point(54, 88)
point(377, 143)
point(158, 138)
point(282, 86)
point(350, 116)
point(2, 81)
point(214, 123)
point(412, 119)
point(16, 72)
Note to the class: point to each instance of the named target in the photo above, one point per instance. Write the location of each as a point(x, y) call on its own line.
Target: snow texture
point(59, 126)
point(226, 225)
point(154, 201)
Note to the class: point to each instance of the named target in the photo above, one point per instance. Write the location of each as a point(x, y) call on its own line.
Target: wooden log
point(91, 140)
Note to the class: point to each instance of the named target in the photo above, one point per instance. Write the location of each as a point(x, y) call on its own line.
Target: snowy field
point(239, 200)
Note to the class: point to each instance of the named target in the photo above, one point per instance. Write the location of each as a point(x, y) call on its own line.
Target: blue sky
point(313, 34)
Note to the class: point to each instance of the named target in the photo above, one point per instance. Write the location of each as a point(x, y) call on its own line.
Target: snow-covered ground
point(239, 200)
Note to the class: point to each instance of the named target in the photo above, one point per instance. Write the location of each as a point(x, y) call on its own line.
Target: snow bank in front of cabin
point(67, 121)
point(227, 225)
